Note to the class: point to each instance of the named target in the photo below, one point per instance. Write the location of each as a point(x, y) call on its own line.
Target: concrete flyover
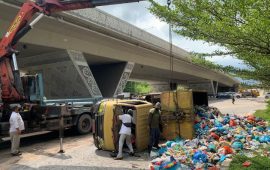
point(105, 46)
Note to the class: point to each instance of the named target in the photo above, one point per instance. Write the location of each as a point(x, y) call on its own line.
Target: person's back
point(125, 118)
point(125, 133)
point(154, 118)
point(154, 121)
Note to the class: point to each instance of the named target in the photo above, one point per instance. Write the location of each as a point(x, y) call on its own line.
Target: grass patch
point(264, 114)
point(257, 163)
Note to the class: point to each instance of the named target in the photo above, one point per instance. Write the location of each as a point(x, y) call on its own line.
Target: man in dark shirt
point(233, 99)
point(154, 122)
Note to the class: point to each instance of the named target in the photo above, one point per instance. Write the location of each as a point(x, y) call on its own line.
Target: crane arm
point(11, 85)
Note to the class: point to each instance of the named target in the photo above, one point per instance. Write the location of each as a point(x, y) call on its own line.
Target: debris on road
point(218, 138)
point(246, 164)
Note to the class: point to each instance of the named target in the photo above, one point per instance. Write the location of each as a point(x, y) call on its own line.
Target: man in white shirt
point(16, 127)
point(125, 133)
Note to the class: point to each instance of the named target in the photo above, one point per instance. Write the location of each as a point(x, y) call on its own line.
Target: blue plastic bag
point(199, 156)
point(264, 139)
point(237, 145)
point(212, 148)
point(162, 150)
point(169, 143)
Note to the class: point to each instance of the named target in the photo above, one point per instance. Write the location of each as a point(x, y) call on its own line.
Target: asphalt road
point(242, 106)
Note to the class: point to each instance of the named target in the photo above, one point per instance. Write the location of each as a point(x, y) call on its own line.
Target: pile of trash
point(218, 138)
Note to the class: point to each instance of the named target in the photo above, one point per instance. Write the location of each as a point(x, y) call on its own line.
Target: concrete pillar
point(85, 73)
point(112, 78)
point(205, 86)
point(214, 85)
point(124, 78)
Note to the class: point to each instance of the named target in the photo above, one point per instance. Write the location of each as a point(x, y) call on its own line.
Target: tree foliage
point(138, 87)
point(242, 27)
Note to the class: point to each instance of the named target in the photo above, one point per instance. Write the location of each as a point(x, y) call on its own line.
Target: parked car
point(228, 95)
point(247, 94)
point(235, 94)
point(267, 95)
point(224, 95)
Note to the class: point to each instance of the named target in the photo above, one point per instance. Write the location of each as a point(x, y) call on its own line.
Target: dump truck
point(250, 92)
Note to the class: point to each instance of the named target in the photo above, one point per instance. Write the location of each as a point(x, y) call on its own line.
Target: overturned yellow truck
point(107, 126)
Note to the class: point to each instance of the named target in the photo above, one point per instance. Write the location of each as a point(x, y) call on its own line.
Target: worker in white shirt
point(16, 127)
point(125, 133)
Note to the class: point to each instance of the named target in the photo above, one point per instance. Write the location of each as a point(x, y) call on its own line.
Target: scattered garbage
point(218, 138)
point(246, 164)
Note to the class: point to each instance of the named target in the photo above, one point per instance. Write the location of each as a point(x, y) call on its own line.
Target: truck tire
point(84, 124)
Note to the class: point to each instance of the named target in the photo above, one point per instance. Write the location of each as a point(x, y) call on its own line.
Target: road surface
point(242, 106)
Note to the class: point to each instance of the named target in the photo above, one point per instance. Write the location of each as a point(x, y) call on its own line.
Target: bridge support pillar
point(112, 78)
point(205, 86)
point(85, 73)
point(214, 85)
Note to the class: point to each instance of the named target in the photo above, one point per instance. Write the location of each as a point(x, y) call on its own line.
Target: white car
point(267, 95)
point(236, 95)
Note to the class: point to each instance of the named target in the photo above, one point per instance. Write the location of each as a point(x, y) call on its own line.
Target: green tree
point(138, 87)
point(242, 27)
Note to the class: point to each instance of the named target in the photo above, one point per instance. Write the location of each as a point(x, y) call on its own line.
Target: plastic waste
point(217, 139)
point(237, 145)
point(264, 139)
point(212, 148)
point(199, 156)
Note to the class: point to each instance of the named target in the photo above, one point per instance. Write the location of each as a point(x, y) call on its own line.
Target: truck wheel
point(84, 124)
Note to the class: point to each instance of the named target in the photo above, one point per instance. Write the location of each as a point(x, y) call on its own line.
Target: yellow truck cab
point(107, 125)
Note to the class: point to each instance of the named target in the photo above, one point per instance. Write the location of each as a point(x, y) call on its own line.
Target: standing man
point(125, 134)
point(154, 121)
point(233, 99)
point(16, 127)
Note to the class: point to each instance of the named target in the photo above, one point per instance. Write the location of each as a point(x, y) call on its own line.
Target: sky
point(138, 14)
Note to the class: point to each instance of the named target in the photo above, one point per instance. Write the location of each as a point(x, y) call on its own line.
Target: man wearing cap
point(125, 133)
point(16, 126)
point(154, 122)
